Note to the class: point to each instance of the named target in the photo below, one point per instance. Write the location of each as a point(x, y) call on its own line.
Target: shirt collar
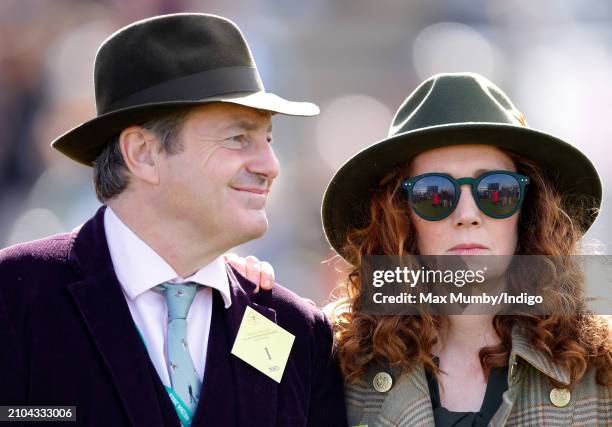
point(139, 268)
point(521, 347)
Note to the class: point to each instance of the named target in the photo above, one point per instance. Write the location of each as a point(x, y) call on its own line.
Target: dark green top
point(496, 386)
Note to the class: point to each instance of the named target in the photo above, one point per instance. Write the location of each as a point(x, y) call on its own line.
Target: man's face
point(219, 183)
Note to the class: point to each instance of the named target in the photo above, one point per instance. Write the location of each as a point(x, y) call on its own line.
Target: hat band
point(194, 87)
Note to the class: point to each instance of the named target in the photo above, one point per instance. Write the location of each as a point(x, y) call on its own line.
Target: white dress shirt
point(139, 268)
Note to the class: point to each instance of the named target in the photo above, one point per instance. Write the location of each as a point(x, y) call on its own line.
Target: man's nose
point(467, 212)
point(264, 162)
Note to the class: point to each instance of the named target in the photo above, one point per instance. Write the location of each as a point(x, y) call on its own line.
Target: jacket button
point(560, 397)
point(382, 382)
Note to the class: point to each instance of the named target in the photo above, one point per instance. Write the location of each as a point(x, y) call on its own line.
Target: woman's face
point(467, 227)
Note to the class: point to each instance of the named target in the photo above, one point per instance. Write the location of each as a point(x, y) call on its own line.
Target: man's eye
point(237, 142)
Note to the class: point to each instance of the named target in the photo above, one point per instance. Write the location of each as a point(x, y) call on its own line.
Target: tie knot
point(179, 297)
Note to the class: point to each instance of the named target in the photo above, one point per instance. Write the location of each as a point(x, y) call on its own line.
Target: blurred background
point(357, 59)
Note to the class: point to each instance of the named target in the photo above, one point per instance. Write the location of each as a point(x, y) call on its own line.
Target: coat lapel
point(217, 405)
point(256, 393)
point(399, 411)
point(104, 311)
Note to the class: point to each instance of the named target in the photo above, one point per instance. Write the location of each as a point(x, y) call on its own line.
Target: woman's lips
point(468, 249)
point(472, 251)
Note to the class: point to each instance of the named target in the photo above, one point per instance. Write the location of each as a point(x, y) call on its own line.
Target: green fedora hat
point(452, 109)
point(165, 62)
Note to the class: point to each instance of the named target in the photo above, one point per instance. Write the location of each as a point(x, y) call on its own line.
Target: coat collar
point(536, 358)
point(256, 393)
point(103, 309)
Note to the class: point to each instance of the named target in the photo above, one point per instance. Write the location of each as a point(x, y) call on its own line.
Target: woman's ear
point(140, 151)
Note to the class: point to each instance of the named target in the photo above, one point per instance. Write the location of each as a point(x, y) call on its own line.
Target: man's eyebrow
point(248, 125)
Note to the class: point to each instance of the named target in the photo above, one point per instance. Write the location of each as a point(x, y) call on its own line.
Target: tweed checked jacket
point(527, 402)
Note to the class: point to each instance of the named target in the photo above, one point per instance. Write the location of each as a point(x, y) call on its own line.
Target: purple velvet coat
point(67, 338)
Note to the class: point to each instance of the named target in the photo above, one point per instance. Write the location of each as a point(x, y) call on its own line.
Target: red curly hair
point(550, 224)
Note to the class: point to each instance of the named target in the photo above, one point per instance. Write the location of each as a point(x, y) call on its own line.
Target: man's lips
point(254, 197)
point(253, 190)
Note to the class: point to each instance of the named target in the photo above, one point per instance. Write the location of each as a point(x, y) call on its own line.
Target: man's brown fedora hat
point(164, 62)
point(445, 110)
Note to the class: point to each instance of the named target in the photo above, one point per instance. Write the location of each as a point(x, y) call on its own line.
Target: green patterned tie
point(184, 378)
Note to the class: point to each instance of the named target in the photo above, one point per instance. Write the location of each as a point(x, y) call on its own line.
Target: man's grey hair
point(110, 173)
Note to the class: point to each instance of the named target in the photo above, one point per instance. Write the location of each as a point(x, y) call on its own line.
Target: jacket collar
point(536, 358)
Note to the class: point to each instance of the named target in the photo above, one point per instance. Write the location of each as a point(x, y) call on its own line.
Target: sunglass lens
point(433, 197)
point(498, 194)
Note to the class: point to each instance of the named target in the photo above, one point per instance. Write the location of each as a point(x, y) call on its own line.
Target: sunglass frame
point(408, 187)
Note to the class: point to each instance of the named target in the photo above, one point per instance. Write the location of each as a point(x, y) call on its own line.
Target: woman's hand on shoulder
point(261, 273)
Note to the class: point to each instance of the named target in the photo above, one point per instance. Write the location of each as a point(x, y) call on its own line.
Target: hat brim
point(84, 142)
point(346, 200)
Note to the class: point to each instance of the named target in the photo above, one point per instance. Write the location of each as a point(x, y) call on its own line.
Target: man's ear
point(140, 151)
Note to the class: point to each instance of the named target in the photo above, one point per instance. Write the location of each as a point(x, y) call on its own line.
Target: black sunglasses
point(434, 196)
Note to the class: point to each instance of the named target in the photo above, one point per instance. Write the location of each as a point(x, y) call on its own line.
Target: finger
point(267, 276)
point(253, 270)
point(230, 256)
point(238, 263)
